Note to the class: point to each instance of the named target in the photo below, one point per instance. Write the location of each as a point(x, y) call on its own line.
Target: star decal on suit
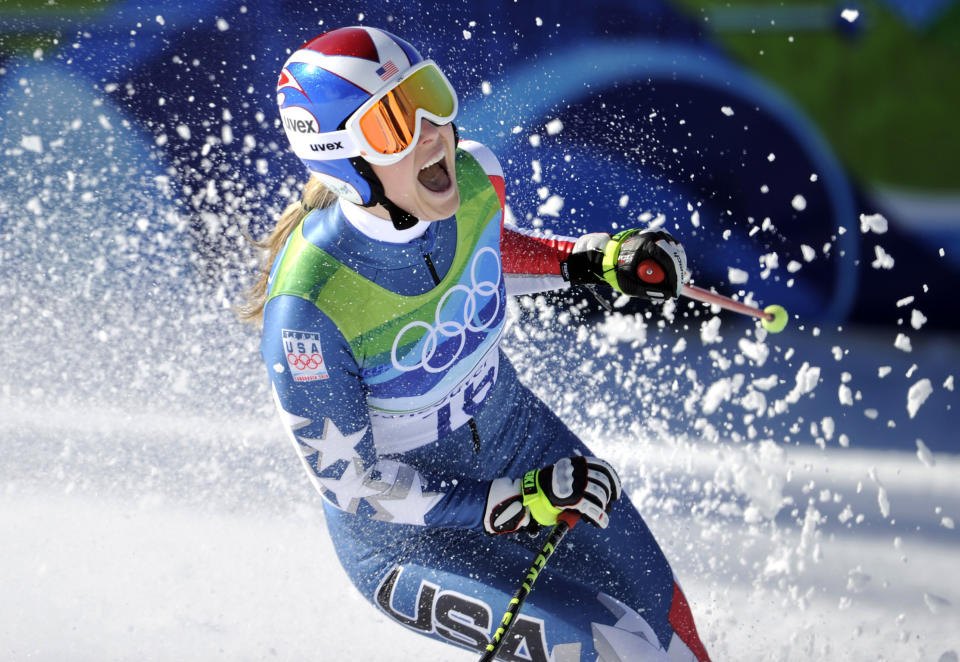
point(332, 445)
point(350, 487)
point(405, 501)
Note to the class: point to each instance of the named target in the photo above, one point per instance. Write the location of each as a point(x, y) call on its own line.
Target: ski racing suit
point(384, 362)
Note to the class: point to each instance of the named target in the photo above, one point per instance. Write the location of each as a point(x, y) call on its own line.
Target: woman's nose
point(428, 131)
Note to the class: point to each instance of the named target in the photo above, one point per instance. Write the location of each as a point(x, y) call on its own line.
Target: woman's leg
point(605, 595)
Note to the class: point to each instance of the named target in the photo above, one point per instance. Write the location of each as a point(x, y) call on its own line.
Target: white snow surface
point(158, 571)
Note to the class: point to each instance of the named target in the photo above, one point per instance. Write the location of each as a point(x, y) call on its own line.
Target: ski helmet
point(325, 83)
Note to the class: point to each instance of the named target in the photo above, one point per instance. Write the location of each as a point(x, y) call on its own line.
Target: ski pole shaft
point(565, 521)
point(700, 294)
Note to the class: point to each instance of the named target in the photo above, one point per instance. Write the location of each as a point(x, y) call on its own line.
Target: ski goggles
point(387, 126)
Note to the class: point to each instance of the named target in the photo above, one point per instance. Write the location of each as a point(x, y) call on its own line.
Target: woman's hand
point(647, 263)
point(586, 485)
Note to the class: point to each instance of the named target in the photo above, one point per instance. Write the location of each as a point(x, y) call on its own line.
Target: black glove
point(638, 263)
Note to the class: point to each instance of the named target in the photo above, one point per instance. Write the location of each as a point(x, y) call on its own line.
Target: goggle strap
point(324, 146)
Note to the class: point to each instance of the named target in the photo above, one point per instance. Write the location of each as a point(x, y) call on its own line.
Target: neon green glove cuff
point(533, 498)
point(611, 253)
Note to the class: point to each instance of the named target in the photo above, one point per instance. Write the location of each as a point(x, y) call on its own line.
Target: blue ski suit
point(384, 362)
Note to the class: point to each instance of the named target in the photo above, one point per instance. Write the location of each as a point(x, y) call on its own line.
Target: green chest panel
point(368, 315)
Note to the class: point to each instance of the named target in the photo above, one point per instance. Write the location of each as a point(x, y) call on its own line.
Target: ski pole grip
point(569, 517)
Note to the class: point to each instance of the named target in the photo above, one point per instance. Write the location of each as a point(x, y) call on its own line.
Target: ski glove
point(586, 485)
point(638, 263)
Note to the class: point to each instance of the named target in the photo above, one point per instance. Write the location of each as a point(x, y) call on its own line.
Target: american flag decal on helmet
point(387, 70)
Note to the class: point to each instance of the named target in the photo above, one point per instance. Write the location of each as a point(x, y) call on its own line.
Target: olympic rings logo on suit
point(443, 329)
point(304, 361)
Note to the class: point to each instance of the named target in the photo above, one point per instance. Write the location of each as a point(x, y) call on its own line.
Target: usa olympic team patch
point(304, 357)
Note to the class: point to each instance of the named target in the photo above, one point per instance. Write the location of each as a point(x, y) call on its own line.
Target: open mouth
point(435, 176)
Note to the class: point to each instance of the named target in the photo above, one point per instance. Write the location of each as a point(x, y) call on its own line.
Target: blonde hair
point(315, 196)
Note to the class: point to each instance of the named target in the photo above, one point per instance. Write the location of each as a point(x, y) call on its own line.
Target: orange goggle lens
point(390, 125)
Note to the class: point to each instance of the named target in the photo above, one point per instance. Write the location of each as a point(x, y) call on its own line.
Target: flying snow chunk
point(467, 34)
point(884, 260)
point(917, 395)
point(710, 331)
point(32, 144)
point(849, 15)
point(875, 223)
point(799, 202)
point(551, 207)
point(883, 501)
point(808, 253)
point(765, 383)
point(624, 199)
point(487, 89)
point(917, 319)
point(755, 351)
point(828, 426)
point(903, 343)
point(737, 276)
point(845, 395)
point(222, 25)
point(160, 20)
point(554, 127)
point(183, 131)
point(716, 394)
point(924, 454)
point(807, 379)
point(727, 110)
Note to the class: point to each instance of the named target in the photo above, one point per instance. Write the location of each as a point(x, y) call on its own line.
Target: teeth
point(436, 159)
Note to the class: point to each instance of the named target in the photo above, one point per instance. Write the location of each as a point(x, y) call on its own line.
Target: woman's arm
point(321, 399)
point(531, 261)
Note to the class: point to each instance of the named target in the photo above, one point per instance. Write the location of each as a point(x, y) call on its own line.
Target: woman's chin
point(438, 205)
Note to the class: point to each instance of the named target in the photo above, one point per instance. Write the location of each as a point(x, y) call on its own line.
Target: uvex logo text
point(318, 147)
point(297, 119)
point(301, 125)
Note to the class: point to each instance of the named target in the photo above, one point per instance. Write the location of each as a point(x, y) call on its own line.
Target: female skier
point(382, 311)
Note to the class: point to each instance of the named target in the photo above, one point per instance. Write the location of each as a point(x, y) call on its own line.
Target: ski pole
point(772, 318)
point(565, 521)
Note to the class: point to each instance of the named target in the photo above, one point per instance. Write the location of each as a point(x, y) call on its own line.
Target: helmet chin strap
point(401, 218)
